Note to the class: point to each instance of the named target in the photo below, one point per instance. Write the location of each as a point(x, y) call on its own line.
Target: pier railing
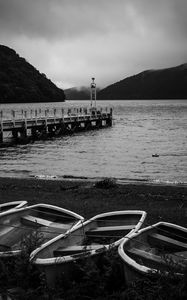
point(38, 113)
point(24, 125)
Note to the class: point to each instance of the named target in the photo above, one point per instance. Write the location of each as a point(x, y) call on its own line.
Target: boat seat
point(109, 229)
point(146, 255)
point(63, 251)
point(14, 236)
point(50, 232)
point(35, 221)
point(5, 229)
point(61, 225)
point(163, 260)
point(162, 241)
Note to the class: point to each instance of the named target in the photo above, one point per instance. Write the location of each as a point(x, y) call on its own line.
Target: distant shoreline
point(119, 181)
point(98, 100)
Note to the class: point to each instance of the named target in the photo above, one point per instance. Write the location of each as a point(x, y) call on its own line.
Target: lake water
point(124, 151)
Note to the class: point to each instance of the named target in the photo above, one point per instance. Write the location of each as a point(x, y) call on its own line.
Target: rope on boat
point(95, 236)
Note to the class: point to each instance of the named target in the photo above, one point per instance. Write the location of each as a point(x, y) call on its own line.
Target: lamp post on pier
point(93, 92)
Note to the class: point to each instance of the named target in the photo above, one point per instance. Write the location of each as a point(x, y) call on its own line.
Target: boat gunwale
point(18, 205)
point(132, 262)
point(78, 218)
point(70, 258)
point(57, 208)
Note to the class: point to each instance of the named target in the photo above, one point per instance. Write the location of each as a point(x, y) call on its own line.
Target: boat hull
point(41, 221)
point(152, 250)
point(61, 255)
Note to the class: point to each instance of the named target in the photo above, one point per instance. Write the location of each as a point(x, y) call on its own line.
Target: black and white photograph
point(93, 149)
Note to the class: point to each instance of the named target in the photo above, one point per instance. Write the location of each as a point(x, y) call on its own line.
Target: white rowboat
point(47, 220)
point(93, 237)
point(153, 249)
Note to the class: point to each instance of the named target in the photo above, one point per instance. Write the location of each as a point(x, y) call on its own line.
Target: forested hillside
point(77, 93)
point(20, 82)
point(168, 83)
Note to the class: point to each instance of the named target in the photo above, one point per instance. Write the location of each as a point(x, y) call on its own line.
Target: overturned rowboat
point(12, 205)
point(91, 238)
point(47, 221)
point(154, 249)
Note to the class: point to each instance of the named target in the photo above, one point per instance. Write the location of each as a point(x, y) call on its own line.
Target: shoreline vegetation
point(103, 280)
point(88, 198)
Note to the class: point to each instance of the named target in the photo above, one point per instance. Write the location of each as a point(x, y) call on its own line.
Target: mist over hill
point(20, 82)
point(170, 83)
point(78, 93)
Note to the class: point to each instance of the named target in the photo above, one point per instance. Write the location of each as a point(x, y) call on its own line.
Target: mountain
point(78, 93)
point(170, 83)
point(21, 82)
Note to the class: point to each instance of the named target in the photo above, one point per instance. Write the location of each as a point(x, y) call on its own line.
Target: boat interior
point(162, 246)
point(96, 235)
point(14, 227)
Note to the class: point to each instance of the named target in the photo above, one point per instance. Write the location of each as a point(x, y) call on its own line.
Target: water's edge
point(120, 181)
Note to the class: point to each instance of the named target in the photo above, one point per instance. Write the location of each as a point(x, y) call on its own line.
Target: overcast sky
point(73, 40)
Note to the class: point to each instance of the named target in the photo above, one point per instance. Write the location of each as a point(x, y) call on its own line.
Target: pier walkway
point(29, 125)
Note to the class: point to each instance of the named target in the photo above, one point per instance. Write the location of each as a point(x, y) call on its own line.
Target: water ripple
point(124, 151)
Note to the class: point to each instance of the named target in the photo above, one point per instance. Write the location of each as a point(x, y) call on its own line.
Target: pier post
point(99, 123)
point(23, 131)
point(15, 134)
point(34, 133)
point(1, 126)
point(13, 116)
point(1, 133)
point(88, 125)
point(109, 119)
point(54, 114)
point(46, 116)
point(39, 113)
point(36, 114)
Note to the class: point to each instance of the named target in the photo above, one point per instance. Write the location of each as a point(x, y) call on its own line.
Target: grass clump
point(99, 278)
point(18, 277)
point(106, 183)
point(162, 286)
point(95, 278)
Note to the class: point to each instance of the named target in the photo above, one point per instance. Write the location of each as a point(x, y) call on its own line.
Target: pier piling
point(29, 125)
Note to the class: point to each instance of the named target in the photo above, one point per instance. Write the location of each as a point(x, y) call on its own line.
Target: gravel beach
point(161, 202)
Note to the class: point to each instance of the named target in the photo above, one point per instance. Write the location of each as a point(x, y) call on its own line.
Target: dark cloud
point(71, 40)
point(165, 16)
point(57, 18)
point(66, 19)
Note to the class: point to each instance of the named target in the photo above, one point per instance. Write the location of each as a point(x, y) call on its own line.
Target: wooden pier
point(29, 125)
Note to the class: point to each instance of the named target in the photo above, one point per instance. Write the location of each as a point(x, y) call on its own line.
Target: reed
point(94, 279)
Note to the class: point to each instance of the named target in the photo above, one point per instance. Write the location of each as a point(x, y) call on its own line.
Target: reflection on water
point(140, 130)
